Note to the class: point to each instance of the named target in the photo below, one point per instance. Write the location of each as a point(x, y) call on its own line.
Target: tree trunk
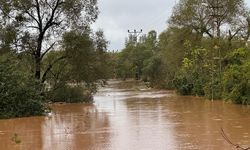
point(218, 30)
point(38, 68)
point(38, 57)
point(248, 31)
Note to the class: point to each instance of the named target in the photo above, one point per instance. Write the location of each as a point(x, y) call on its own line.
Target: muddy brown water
point(128, 116)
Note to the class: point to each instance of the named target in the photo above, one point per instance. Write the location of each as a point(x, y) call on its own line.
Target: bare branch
point(32, 16)
point(34, 27)
point(5, 13)
point(48, 49)
point(235, 33)
point(50, 21)
point(39, 15)
point(51, 66)
point(237, 146)
point(209, 34)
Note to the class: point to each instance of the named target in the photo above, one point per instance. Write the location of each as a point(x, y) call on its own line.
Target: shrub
point(212, 88)
point(20, 94)
point(236, 82)
point(194, 77)
point(182, 86)
point(71, 94)
point(236, 78)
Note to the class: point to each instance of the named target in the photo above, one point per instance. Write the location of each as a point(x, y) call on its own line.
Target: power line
point(133, 35)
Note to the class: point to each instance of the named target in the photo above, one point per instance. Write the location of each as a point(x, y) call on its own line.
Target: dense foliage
point(203, 52)
point(85, 61)
point(20, 93)
point(37, 26)
point(141, 60)
point(48, 52)
point(236, 78)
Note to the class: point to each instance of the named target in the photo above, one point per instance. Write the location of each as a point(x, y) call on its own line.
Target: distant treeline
point(204, 51)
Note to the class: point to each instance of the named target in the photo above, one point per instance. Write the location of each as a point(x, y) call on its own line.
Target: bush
point(182, 86)
point(71, 94)
point(199, 76)
point(20, 94)
point(236, 83)
point(213, 88)
point(236, 78)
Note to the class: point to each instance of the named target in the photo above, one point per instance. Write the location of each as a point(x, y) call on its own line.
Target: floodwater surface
point(129, 116)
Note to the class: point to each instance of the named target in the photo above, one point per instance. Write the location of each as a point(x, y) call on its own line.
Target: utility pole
point(216, 17)
point(215, 6)
point(134, 35)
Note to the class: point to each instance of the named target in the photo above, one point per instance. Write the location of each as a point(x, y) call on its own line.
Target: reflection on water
point(128, 116)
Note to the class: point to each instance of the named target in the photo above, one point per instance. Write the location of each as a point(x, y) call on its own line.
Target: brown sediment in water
point(128, 116)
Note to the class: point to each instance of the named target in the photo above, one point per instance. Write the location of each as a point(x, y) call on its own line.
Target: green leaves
point(73, 79)
point(81, 56)
point(71, 94)
point(204, 15)
point(36, 26)
point(194, 73)
point(238, 56)
point(236, 79)
point(85, 10)
point(20, 95)
point(131, 59)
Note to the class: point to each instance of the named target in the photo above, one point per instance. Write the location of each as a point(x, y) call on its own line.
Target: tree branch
point(48, 49)
point(232, 36)
point(209, 34)
point(51, 66)
point(33, 17)
point(237, 146)
point(34, 27)
point(50, 21)
point(5, 13)
point(39, 15)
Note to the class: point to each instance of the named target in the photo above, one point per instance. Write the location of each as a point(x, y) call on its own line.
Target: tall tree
point(100, 41)
point(38, 25)
point(204, 15)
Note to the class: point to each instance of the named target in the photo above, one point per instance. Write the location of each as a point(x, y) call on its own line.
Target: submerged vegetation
point(204, 52)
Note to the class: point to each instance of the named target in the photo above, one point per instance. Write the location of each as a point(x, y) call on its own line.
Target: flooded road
point(128, 116)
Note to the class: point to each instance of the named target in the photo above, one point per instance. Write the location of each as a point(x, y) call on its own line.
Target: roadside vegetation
point(204, 51)
point(48, 53)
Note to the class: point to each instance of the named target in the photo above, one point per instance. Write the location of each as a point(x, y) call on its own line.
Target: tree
point(244, 26)
point(136, 59)
point(102, 64)
point(151, 40)
point(100, 42)
point(74, 78)
point(191, 14)
point(80, 56)
point(205, 16)
point(38, 25)
point(125, 66)
point(153, 71)
point(173, 44)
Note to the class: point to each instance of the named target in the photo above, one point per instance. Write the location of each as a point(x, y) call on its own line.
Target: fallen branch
point(237, 146)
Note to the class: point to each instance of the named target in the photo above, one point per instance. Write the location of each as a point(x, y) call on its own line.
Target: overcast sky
point(118, 16)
